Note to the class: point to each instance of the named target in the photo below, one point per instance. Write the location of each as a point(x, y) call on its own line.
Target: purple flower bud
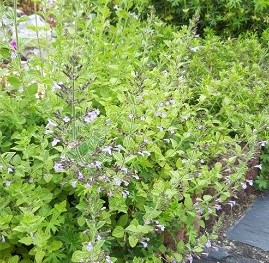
point(80, 175)
point(13, 45)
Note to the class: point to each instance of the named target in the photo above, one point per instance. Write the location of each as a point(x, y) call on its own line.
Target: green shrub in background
point(110, 145)
point(228, 17)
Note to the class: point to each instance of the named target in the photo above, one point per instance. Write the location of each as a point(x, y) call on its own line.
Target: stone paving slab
point(232, 259)
point(253, 228)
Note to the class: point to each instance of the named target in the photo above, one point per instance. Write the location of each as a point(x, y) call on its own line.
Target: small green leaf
point(14, 259)
point(14, 81)
point(39, 256)
point(81, 221)
point(78, 255)
point(188, 201)
point(207, 198)
point(133, 241)
point(26, 240)
point(123, 220)
point(55, 245)
point(118, 232)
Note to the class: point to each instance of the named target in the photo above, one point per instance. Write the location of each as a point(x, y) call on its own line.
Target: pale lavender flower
point(143, 153)
point(125, 193)
point(136, 176)
point(55, 142)
point(20, 89)
point(134, 15)
point(190, 258)
point(195, 49)
point(160, 128)
point(80, 175)
point(263, 143)
point(244, 185)
point(147, 221)
point(131, 116)
point(74, 184)
point(58, 167)
point(145, 140)
point(51, 124)
point(92, 115)
point(108, 149)
point(144, 244)
point(8, 183)
point(66, 119)
point(208, 243)
point(231, 203)
point(55, 86)
point(89, 246)
point(48, 131)
point(218, 207)
point(142, 118)
point(124, 169)
point(97, 164)
point(87, 186)
point(3, 239)
point(126, 183)
point(161, 227)
point(9, 170)
point(250, 182)
point(258, 166)
point(117, 181)
point(161, 114)
point(108, 259)
point(228, 170)
point(172, 130)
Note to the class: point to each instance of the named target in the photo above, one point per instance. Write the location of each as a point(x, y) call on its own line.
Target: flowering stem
point(73, 105)
point(16, 32)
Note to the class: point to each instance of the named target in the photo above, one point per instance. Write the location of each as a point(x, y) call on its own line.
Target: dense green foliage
point(229, 17)
point(123, 141)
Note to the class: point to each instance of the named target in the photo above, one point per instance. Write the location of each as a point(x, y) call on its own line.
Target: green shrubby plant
point(126, 139)
point(227, 17)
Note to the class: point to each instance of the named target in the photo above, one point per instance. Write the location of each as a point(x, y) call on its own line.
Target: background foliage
point(228, 17)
